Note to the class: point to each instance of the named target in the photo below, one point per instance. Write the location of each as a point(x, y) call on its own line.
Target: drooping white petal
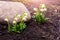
point(18, 15)
point(45, 9)
point(14, 21)
point(34, 13)
point(6, 19)
point(25, 14)
point(43, 5)
point(41, 9)
point(35, 9)
point(24, 19)
point(15, 18)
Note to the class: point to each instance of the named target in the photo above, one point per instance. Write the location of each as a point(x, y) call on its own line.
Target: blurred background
point(37, 1)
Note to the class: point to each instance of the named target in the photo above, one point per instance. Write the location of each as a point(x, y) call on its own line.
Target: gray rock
point(10, 9)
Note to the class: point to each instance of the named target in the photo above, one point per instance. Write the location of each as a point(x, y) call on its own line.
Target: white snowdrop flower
point(43, 6)
point(42, 10)
point(18, 15)
point(35, 9)
point(25, 14)
point(24, 19)
point(15, 18)
point(34, 13)
point(14, 21)
point(6, 19)
point(45, 9)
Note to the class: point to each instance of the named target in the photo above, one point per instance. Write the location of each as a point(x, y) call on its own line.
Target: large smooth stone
point(10, 9)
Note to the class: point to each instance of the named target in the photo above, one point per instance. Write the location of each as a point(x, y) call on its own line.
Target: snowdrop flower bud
point(15, 18)
point(43, 6)
point(18, 15)
point(14, 22)
point(24, 19)
point(34, 13)
point(45, 9)
point(25, 14)
point(42, 10)
point(6, 19)
point(35, 9)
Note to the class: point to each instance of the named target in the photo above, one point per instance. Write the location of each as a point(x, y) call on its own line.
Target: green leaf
point(22, 26)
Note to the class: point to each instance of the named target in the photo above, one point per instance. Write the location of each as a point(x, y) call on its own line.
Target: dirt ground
point(47, 31)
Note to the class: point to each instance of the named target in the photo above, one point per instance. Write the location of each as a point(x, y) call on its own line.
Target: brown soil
point(47, 31)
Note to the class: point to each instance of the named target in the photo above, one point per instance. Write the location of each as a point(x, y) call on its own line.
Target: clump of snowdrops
point(17, 27)
point(39, 16)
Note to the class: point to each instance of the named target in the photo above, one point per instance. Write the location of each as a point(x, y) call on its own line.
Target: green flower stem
point(9, 29)
point(14, 27)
